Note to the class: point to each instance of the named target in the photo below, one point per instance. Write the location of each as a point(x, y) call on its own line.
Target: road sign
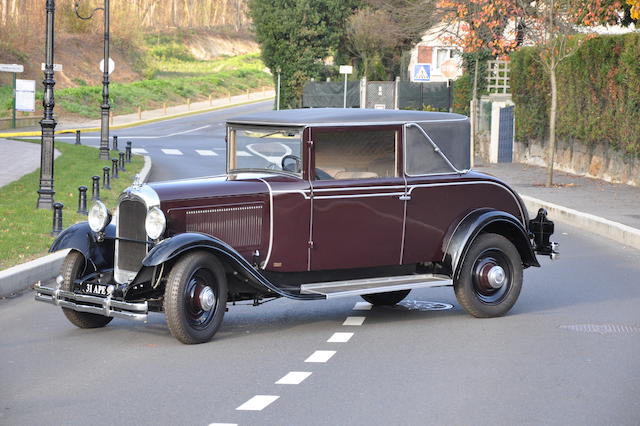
point(450, 68)
point(56, 67)
point(346, 69)
point(112, 65)
point(26, 95)
point(422, 72)
point(11, 68)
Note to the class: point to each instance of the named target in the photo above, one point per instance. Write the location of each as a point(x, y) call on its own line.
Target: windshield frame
point(232, 129)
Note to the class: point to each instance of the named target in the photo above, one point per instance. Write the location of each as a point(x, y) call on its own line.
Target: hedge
point(598, 94)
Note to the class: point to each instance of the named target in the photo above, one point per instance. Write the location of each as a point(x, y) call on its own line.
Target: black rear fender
point(485, 221)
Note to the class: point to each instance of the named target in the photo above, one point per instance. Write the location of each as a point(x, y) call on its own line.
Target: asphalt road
point(180, 148)
point(567, 354)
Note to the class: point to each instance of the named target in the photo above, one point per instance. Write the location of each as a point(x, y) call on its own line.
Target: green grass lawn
point(24, 229)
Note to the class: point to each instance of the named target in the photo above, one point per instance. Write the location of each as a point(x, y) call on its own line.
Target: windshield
point(260, 148)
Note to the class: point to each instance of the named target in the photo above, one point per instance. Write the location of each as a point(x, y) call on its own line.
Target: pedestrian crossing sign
point(422, 72)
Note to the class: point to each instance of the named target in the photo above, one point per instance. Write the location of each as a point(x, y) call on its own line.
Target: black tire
point(72, 267)
point(474, 289)
point(386, 299)
point(193, 274)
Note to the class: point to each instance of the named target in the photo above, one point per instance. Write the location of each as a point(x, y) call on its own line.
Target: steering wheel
point(291, 167)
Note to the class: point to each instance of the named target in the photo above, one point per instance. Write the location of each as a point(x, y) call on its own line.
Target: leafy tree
point(296, 36)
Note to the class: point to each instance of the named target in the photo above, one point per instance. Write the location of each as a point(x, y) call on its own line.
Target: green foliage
point(463, 86)
point(296, 36)
point(598, 93)
point(24, 230)
point(147, 94)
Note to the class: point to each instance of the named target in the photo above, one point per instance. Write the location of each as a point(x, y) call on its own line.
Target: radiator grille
point(131, 219)
point(238, 226)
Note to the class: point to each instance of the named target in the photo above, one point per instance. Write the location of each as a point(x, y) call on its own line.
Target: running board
point(334, 289)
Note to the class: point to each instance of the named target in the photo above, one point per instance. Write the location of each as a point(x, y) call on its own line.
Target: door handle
point(404, 197)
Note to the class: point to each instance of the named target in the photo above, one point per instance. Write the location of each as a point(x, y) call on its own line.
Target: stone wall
point(597, 161)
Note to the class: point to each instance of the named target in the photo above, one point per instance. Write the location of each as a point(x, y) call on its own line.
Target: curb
point(619, 232)
point(21, 277)
point(141, 122)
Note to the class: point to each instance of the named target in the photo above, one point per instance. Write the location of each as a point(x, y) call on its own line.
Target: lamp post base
point(45, 198)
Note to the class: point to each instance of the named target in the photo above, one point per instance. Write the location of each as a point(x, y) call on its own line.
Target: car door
point(357, 197)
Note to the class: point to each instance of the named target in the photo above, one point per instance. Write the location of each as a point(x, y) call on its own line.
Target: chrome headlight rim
point(155, 223)
point(99, 216)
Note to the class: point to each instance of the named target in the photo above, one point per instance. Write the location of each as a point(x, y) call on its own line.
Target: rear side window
point(421, 157)
point(355, 154)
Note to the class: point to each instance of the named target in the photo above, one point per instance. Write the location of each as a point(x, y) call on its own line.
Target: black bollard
point(95, 189)
point(128, 151)
point(115, 143)
point(82, 200)
point(114, 168)
point(78, 137)
point(56, 229)
point(106, 181)
point(121, 165)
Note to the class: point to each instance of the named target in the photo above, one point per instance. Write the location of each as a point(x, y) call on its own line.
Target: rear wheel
point(72, 267)
point(386, 299)
point(195, 298)
point(490, 280)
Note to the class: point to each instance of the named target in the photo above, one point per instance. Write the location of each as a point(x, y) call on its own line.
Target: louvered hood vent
point(238, 225)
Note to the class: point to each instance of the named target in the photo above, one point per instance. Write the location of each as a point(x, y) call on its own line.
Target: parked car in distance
point(315, 204)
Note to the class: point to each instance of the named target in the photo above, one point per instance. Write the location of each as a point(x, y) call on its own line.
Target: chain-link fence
point(379, 94)
point(328, 94)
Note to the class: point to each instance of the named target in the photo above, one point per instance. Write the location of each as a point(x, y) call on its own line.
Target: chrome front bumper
point(92, 304)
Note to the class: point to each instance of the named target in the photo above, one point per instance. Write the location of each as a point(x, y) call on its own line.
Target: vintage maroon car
point(315, 204)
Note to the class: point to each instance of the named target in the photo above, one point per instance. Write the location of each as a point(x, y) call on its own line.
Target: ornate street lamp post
point(105, 107)
point(48, 122)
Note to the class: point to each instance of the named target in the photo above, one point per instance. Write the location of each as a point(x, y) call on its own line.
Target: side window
point(420, 157)
point(355, 154)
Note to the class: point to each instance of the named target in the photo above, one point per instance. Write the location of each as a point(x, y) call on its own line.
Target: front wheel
point(195, 298)
point(490, 280)
point(72, 268)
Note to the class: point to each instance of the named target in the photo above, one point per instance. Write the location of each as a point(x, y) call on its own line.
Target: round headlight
point(99, 217)
point(155, 223)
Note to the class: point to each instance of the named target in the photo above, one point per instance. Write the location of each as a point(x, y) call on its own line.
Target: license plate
point(95, 289)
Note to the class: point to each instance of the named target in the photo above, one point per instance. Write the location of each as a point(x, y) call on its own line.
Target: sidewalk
point(608, 209)
point(18, 159)
point(129, 120)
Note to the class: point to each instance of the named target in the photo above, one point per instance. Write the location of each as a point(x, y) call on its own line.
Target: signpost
point(56, 67)
point(422, 72)
point(112, 66)
point(12, 68)
point(25, 98)
point(346, 70)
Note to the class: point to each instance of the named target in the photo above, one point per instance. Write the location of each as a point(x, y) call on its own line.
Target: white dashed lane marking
point(243, 154)
point(258, 403)
point(206, 153)
point(362, 306)
point(340, 338)
point(294, 378)
point(139, 151)
point(320, 356)
point(355, 321)
point(223, 424)
point(172, 151)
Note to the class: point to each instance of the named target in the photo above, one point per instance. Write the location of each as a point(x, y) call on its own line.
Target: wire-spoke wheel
point(490, 280)
point(195, 298)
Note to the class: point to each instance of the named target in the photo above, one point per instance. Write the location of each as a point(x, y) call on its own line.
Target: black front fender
point(175, 246)
point(81, 238)
point(486, 220)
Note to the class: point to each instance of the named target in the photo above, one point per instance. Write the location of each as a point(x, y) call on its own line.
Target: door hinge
point(310, 143)
point(310, 243)
point(404, 197)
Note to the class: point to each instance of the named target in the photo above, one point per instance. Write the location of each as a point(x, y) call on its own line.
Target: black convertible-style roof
point(342, 116)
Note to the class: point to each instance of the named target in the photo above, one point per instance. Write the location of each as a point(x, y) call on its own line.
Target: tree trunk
point(552, 125)
point(474, 110)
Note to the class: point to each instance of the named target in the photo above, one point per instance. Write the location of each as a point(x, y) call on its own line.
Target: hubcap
point(496, 277)
point(207, 299)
